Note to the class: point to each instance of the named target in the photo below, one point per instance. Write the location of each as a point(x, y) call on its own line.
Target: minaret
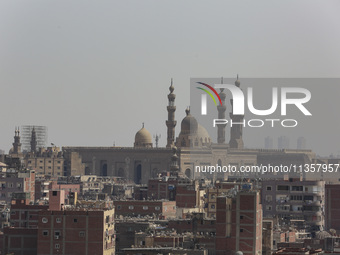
point(236, 140)
point(33, 141)
point(171, 122)
point(174, 168)
point(17, 144)
point(221, 115)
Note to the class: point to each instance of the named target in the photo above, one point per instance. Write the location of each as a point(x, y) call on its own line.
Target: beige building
point(190, 151)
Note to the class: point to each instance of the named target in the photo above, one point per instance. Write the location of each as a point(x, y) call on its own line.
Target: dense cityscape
point(169, 127)
point(147, 199)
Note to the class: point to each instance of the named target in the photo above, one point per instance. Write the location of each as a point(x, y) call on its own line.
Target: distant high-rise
point(301, 143)
point(283, 142)
point(39, 141)
point(268, 143)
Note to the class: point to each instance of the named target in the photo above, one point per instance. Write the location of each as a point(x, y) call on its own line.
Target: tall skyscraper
point(268, 143)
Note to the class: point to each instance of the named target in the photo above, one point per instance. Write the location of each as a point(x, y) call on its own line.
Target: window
point(269, 187)
point(241, 217)
point(295, 197)
point(57, 246)
point(82, 234)
point(213, 196)
point(157, 208)
point(269, 198)
point(45, 233)
point(297, 188)
point(283, 187)
point(268, 208)
point(75, 220)
point(13, 213)
point(145, 207)
point(44, 220)
point(119, 207)
point(241, 230)
point(212, 206)
point(54, 193)
point(308, 198)
point(131, 207)
point(58, 220)
point(56, 234)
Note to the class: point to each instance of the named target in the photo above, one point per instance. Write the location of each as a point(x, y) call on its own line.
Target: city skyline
point(74, 71)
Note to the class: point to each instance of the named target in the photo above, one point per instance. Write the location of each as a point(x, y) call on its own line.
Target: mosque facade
point(192, 149)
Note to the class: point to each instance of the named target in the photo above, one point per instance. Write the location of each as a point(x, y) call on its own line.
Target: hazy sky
point(93, 71)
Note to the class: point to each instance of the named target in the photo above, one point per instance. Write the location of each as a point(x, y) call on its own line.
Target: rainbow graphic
point(209, 93)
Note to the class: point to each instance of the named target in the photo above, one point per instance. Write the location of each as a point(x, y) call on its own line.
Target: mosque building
point(191, 149)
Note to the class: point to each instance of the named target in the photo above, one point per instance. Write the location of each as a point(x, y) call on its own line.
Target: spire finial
point(222, 89)
point(171, 88)
point(237, 82)
point(187, 111)
point(142, 124)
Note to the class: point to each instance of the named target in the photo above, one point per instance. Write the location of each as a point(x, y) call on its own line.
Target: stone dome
point(192, 134)
point(143, 138)
point(189, 123)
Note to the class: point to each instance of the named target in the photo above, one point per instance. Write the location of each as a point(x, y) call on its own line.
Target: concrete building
point(20, 241)
point(294, 202)
point(332, 207)
point(239, 223)
point(268, 143)
point(210, 200)
point(76, 232)
point(24, 214)
point(159, 208)
point(13, 181)
point(46, 161)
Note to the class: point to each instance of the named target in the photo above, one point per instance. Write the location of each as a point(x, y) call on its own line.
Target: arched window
point(188, 173)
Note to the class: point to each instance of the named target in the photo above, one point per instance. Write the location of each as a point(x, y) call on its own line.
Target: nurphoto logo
point(295, 96)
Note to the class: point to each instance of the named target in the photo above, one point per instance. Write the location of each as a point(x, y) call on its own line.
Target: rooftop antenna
point(157, 137)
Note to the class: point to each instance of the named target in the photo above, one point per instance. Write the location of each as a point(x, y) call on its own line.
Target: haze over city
point(92, 73)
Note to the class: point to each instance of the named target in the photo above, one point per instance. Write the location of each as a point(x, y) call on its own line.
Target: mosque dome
point(189, 123)
point(192, 134)
point(143, 138)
